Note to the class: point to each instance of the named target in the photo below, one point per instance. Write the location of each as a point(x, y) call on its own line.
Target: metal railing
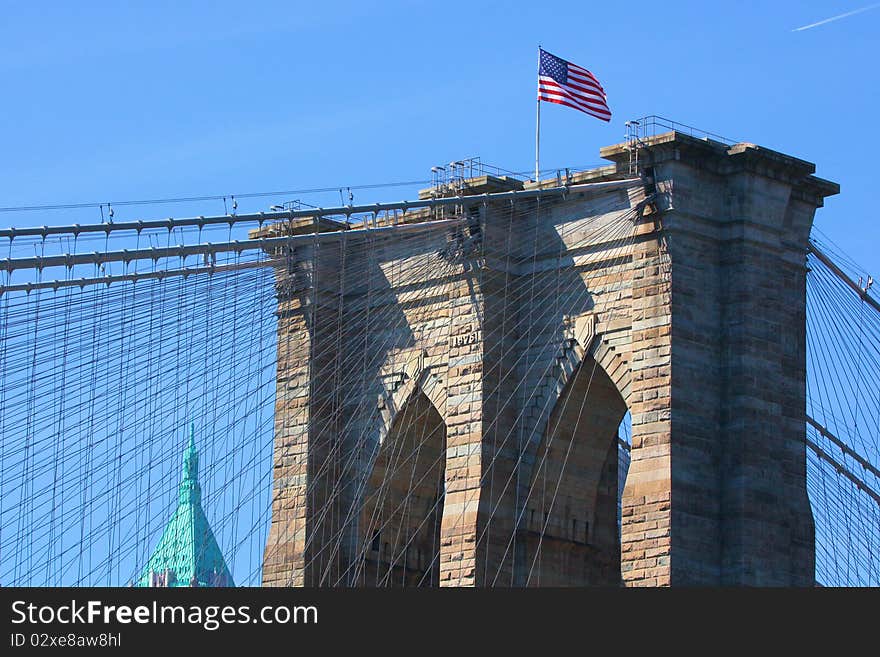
point(454, 177)
point(652, 125)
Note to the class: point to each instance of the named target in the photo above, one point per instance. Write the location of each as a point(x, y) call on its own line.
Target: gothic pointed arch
point(402, 505)
point(571, 537)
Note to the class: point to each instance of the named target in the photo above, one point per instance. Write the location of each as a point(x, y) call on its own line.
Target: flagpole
point(538, 121)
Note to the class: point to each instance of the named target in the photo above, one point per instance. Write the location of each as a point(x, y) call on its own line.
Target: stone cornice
point(722, 159)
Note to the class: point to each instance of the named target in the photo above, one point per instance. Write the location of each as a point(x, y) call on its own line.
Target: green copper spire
point(187, 553)
point(190, 491)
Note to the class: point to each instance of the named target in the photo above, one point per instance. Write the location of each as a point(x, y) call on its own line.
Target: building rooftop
point(187, 554)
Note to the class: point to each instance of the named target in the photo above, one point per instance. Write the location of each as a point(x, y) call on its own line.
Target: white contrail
point(836, 18)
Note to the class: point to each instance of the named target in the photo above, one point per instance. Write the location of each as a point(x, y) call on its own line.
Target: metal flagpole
point(538, 121)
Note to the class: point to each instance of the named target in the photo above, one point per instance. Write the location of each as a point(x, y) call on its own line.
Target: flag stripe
point(573, 106)
point(549, 86)
point(573, 103)
point(587, 86)
point(568, 84)
point(577, 70)
point(586, 94)
point(557, 97)
point(576, 103)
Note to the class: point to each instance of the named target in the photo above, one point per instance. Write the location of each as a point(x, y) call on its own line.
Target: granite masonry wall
point(448, 399)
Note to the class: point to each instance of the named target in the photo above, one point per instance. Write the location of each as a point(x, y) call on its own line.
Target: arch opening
point(624, 449)
point(572, 516)
point(403, 501)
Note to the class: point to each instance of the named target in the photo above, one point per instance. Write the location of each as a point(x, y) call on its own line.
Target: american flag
point(568, 84)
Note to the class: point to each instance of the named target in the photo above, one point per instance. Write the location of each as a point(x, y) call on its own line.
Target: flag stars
point(571, 85)
point(554, 67)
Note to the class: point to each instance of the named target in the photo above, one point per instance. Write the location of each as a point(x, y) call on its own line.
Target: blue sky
point(117, 101)
point(156, 99)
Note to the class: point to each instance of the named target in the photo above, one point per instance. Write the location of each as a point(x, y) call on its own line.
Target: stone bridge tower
point(496, 359)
